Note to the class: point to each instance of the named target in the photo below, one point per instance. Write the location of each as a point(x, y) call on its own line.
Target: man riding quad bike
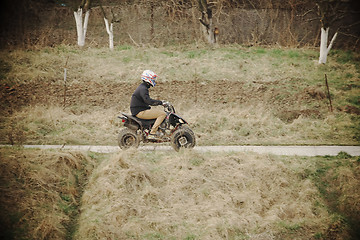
point(153, 125)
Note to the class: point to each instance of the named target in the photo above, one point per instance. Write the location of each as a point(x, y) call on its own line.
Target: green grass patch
point(290, 227)
point(294, 54)
point(123, 47)
point(331, 175)
point(170, 54)
point(259, 51)
point(343, 56)
point(195, 54)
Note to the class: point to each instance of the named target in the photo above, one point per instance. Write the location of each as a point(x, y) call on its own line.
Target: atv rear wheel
point(183, 137)
point(128, 138)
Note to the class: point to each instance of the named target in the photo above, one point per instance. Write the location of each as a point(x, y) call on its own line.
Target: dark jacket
point(141, 101)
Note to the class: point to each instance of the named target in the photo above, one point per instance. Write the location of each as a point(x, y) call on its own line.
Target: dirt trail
point(276, 150)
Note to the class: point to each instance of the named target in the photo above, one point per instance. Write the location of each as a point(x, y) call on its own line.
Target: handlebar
point(168, 106)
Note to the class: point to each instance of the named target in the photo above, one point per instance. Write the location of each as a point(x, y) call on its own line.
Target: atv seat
point(145, 123)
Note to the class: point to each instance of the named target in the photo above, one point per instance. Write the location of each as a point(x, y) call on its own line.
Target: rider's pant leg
point(152, 114)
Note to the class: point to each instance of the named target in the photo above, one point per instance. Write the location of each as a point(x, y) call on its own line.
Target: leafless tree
point(210, 31)
point(109, 26)
point(329, 11)
point(81, 14)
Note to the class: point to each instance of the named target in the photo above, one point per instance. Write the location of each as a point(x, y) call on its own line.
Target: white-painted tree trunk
point(324, 48)
point(80, 27)
point(109, 30)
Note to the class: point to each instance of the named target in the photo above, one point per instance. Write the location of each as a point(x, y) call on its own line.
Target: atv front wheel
point(128, 138)
point(183, 137)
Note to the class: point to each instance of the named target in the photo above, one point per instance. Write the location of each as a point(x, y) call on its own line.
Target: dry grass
point(41, 124)
point(229, 94)
point(214, 124)
point(168, 195)
point(257, 124)
point(39, 192)
point(336, 179)
point(231, 62)
point(136, 195)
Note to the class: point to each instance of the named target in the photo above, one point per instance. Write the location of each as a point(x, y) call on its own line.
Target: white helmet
point(149, 77)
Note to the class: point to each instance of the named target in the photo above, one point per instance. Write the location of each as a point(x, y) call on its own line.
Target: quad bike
point(173, 129)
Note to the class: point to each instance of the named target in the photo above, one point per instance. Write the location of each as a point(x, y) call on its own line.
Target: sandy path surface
point(277, 150)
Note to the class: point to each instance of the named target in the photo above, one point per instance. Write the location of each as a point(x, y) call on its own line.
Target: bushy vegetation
point(42, 23)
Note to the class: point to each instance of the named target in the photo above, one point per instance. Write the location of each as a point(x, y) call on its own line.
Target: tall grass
point(135, 195)
point(52, 124)
point(40, 192)
point(169, 195)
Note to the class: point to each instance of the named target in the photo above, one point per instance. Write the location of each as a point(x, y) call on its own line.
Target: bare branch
point(332, 42)
point(102, 9)
point(133, 40)
point(203, 23)
point(306, 13)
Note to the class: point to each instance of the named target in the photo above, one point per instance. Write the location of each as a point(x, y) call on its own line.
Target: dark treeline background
point(295, 23)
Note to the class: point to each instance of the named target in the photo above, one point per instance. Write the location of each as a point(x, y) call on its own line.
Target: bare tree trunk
point(324, 48)
point(206, 20)
point(109, 27)
point(109, 30)
point(329, 12)
point(208, 31)
point(80, 26)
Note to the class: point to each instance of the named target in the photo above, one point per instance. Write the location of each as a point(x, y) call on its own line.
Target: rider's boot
point(155, 136)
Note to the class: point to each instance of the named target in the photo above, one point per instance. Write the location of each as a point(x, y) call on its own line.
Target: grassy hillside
point(185, 195)
point(229, 94)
